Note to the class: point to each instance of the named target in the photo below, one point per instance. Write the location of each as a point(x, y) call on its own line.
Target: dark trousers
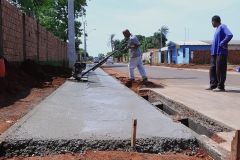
point(218, 71)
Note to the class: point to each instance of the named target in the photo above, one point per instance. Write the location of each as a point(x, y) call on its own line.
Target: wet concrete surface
point(94, 115)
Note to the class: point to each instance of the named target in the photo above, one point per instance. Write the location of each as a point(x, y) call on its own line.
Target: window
point(184, 52)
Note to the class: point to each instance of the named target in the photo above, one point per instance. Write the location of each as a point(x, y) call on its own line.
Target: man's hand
point(224, 47)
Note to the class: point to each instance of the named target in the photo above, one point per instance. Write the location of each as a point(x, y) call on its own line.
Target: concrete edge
point(189, 69)
point(183, 105)
point(212, 148)
point(199, 70)
point(32, 147)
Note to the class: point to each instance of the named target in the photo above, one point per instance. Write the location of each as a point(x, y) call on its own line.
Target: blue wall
point(178, 59)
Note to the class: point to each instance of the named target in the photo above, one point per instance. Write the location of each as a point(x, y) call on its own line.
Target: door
point(170, 56)
point(186, 56)
point(162, 57)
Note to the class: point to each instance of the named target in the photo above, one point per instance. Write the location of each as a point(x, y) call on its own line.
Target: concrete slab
point(100, 110)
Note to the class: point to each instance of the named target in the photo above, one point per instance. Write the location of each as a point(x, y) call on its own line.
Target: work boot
point(145, 80)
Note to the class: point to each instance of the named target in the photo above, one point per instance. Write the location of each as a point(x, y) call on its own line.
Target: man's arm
point(228, 37)
point(135, 43)
point(134, 46)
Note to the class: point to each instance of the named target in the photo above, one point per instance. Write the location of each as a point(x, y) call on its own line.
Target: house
point(182, 51)
point(195, 51)
point(163, 55)
point(155, 55)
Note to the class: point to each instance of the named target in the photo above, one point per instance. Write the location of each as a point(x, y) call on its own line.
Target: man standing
point(150, 58)
point(219, 53)
point(135, 56)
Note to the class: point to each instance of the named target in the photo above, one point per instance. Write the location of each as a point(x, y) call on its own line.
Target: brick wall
point(23, 37)
point(203, 57)
point(234, 57)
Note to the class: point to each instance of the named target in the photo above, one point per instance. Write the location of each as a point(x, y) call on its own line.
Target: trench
point(197, 122)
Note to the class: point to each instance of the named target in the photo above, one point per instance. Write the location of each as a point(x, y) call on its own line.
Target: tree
point(81, 52)
point(108, 53)
point(55, 20)
point(164, 30)
point(53, 14)
point(90, 58)
point(27, 6)
point(77, 44)
point(101, 56)
point(111, 41)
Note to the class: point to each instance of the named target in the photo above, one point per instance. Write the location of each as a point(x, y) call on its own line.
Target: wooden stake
point(235, 151)
point(134, 133)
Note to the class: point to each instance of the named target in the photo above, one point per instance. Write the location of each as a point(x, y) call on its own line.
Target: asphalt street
point(175, 76)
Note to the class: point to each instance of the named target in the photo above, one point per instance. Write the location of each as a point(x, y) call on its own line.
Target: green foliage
point(108, 53)
point(90, 58)
point(111, 41)
point(101, 56)
point(146, 61)
point(146, 42)
point(31, 5)
point(81, 52)
point(53, 14)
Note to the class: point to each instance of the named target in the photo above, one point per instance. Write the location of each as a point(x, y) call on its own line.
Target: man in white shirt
point(135, 56)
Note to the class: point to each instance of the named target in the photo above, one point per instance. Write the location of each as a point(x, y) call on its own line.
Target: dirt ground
point(133, 85)
point(24, 88)
point(193, 66)
point(115, 155)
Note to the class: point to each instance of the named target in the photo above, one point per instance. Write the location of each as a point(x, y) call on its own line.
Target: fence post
point(24, 37)
point(47, 44)
point(1, 34)
point(235, 146)
point(38, 40)
point(204, 56)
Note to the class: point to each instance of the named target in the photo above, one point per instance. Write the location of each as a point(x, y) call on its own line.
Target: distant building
point(192, 51)
point(155, 55)
point(181, 51)
point(232, 45)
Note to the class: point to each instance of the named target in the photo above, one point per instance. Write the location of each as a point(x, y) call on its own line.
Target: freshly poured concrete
point(102, 109)
point(99, 110)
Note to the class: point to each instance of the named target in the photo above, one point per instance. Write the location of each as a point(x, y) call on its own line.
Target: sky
point(146, 16)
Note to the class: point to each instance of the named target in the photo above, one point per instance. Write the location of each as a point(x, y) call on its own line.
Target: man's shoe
point(219, 90)
point(145, 80)
point(210, 88)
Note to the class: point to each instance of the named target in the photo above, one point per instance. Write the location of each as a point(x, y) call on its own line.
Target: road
point(174, 76)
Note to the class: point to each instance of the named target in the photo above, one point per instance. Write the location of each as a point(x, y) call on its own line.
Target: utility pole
point(85, 45)
point(161, 38)
point(71, 34)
